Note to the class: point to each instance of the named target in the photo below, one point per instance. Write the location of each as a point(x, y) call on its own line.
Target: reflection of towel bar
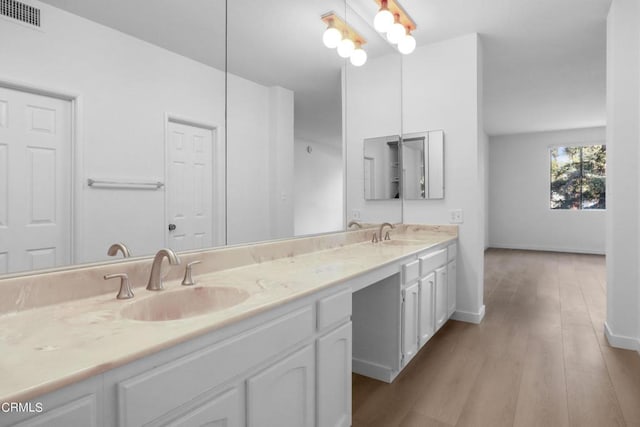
point(98, 183)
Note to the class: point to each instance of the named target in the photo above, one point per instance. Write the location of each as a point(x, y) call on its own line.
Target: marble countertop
point(46, 348)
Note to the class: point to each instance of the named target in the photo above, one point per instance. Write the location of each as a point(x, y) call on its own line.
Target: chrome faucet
point(121, 247)
point(356, 223)
point(386, 236)
point(155, 282)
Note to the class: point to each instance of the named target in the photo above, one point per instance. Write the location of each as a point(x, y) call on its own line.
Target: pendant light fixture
point(343, 37)
point(393, 20)
point(407, 43)
point(332, 36)
point(384, 18)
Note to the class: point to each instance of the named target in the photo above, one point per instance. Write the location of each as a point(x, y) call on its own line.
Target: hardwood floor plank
point(624, 371)
point(592, 401)
point(542, 399)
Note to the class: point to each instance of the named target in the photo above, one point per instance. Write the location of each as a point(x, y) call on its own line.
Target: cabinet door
point(410, 322)
point(427, 325)
point(80, 412)
point(334, 378)
point(442, 303)
point(283, 394)
point(223, 410)
point(451, 285)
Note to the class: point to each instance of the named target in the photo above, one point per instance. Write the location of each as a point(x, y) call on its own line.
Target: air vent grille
point(20, 11)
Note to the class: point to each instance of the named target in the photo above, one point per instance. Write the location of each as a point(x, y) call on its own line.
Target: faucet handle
point(386, 236)
point(374, 239)
point(188, 280)
point(125, 286)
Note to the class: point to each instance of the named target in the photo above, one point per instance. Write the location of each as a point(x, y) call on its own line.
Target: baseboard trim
point(621, 341)
point(373, 370)
point(469, 317)
point(547, 249)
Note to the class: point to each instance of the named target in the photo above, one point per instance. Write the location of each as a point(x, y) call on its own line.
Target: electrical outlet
point(455, 216)
point(355, 214)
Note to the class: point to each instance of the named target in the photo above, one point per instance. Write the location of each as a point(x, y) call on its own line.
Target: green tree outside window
point(578, 177)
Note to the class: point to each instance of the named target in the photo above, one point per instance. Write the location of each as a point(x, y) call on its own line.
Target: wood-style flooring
point(539, 358)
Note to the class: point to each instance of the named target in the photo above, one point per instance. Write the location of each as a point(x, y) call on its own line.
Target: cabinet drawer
point(452, 252)
point(334, 309)
point(188, 377)
point(410, 272)
point(431, 261)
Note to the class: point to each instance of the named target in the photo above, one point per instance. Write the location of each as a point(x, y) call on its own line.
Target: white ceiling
point(544, 60)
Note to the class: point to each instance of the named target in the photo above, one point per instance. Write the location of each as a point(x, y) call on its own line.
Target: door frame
point(218, 173)
point(76, 225)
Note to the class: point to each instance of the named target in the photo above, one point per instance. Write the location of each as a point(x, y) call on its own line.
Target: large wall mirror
point(120, 123)
point(373, 125)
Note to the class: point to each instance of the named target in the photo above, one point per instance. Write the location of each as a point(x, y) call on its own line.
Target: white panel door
point(427, 317)
point(35, 181)
point(189, 187)
point(283, 395)
point(410, 322)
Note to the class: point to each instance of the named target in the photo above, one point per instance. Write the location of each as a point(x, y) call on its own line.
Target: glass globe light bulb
point(346, 48)
point(407, 44)
point(383, 20)
point(331, 37)
point(396, 33)
point(358, 57)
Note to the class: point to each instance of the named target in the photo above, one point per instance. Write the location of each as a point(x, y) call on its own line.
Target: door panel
point(190, 186)
point(410, 323)
point(283, 395)
point(35, 184)
point(441, 297)
point(427, 316)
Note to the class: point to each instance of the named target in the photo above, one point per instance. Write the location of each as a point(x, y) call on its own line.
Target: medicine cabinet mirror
point(411, 167)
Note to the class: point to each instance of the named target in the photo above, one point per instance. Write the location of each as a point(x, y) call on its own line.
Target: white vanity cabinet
point(427, 324)
point(289, 366)
point(411, 314)
point(451, 278)
point(76, 405)
point(396, 316)
point(283, 394)
point(442, 301)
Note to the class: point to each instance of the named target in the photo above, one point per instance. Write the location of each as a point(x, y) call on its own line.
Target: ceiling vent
point(20, 12)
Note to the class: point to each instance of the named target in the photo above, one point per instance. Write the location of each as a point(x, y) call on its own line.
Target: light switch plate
point(455, 216)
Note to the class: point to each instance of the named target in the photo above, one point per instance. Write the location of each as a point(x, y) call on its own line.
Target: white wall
point(126, 86)
point(519, 180)
point(373, 109)
point(441, 90)
point(623, 189)
point(318, 188)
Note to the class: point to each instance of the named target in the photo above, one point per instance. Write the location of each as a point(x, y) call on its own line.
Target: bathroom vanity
point(267, 336)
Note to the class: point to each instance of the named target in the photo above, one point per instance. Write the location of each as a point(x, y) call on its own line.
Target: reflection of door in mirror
point(369, 177)
point(423, 165)
point(191, 187)
point(35, 193)
point(413, 161)
point(381, 168)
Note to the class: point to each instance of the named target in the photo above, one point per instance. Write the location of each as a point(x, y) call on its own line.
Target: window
point(578, 176)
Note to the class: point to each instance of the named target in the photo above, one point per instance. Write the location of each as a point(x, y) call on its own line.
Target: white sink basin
point(185, 303)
